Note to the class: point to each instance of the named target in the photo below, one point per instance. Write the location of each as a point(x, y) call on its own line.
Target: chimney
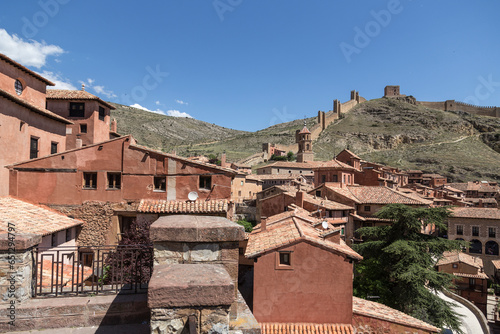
point(114, 126)
point(223, 160)
point(79, 143)
point(480, 203)
point(263, 224)
point(299, 199)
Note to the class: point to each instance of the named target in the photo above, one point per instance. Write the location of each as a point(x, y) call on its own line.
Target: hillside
point(455, 144)
point(458, 145)
point(166, 133)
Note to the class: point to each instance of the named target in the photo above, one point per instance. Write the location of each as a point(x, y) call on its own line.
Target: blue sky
point(249, 64)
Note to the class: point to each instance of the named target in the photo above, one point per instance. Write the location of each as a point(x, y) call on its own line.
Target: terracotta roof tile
point(164, 206)
point(478, 275)
point(63, 94)
point(321, 202)
point(31, 218)
point(380, 311)
point(454, 257)
point(496, 264)
point(479, 213)
point(35, 108)
point(305, 328)
point(335, 164)
point(378, 195)
point(304, 130)
point(289, 228)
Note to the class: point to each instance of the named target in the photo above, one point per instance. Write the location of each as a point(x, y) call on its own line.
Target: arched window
point(491, 248)
point(476, 247)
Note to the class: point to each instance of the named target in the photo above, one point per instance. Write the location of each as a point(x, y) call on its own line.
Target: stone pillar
point(16, 265)
point(201, 252)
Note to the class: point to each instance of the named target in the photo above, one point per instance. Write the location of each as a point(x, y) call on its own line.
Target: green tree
point(399, 264)
point(290, 156)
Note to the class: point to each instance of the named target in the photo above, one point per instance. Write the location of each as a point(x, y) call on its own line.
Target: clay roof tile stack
point(455, 257)
point(305, 328)
point(183, 207)
point(479, 213)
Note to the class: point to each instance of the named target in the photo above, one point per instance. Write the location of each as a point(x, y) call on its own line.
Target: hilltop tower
point(303, 138)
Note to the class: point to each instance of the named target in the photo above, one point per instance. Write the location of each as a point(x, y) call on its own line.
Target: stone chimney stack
point(223, 160)
point(114, 126)
point(263, 224)
point(299, 199)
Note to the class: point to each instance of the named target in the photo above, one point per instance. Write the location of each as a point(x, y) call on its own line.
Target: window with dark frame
point(367, 208)
point(89, 180)
point(76, 109)
point(53, 147)
point(53, 241)
point(323, 178)
point(68, 234)
point(205, 182)
point(102, 113)
point(83, 128)
point(114, 180)
point(19, 87)
point(33, 147)
point(285, 259)
point(475, 231)
point(492, 232)
point(160, 183)
point(460, 230)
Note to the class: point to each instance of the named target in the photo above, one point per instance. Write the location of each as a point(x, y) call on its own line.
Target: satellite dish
point(193, 196)
point(324, 224)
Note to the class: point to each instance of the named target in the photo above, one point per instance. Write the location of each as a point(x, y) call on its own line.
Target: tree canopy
point(399, 264)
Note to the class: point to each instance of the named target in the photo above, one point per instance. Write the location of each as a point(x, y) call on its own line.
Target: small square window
point(492, 232)
point(76, 109)
point(33, 148)
point(475, 231)
point(160, 183)
point(114, 180)
point(460, 230)
point(367, 208)
point(90, 180)
point(53, 147)
point(205, 182)
point(102, 113)
point(83, 128)
point(53, 241)
point(285, 259)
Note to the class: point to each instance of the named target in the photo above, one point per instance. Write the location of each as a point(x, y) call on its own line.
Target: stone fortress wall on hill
point(448, 105)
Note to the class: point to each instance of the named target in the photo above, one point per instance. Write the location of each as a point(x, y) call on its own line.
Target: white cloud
point(90, 81)
point(158, 103)
point(181, 102)
point(177, 113)
point(173, 113)
point(100, 90)
point(28, 53)
point(138, 106)
point(61, 83)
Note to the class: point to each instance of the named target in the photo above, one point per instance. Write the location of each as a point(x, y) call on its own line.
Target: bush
point(246, 224)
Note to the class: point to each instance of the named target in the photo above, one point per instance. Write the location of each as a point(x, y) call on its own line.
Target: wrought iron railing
point(70, 271)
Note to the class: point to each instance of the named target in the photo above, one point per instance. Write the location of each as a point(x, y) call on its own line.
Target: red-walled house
point(103, 184)
point(333, 171)
point(301, 273)
point(471, 282)
point(89, 114)
point(27, 129)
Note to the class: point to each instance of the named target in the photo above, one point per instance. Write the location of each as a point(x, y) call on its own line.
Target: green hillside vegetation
point(459, 145)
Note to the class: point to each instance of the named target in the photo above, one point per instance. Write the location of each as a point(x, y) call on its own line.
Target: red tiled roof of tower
point(304, 130)
point(26, 70)
point(164, 206)
point(289, 230)
point(31, 218)
point(305, 328)
point(64, 94)
point(453, 257)
point(383, 312)
point(479, 213)
point(35, 108)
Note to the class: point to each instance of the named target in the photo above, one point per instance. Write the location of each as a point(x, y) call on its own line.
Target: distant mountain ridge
point(456, 144)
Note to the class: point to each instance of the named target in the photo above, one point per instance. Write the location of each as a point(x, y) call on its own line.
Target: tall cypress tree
point(399, 264)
